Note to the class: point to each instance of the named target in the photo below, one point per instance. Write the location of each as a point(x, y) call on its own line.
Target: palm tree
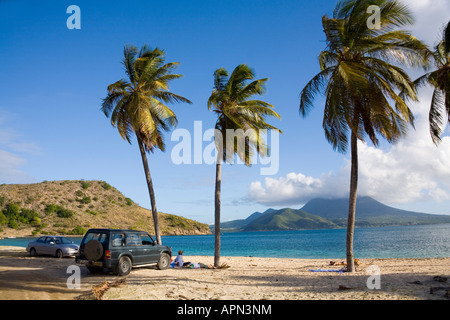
point(440, 80)
point(137, 106)
point(360, 76)
point(236, 113)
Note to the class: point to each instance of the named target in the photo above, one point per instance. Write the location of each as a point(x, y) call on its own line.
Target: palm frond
point(137, 107)
point(239, 116)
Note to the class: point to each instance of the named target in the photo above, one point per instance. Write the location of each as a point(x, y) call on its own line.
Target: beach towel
point(326, 270)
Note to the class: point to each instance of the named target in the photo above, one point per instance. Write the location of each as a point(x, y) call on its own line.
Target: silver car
point(52, 245)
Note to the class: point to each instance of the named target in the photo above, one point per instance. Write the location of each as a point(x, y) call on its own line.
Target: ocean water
point(424, 241)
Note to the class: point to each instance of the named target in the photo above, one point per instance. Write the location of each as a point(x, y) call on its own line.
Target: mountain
point(369, 213)
point(288, 219)
point(241, 223)
point(73, 206)
point(328, 214)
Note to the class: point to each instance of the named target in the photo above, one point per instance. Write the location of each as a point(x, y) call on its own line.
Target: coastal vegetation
point(367, 97)
point(439, 79)
point(232, 102)
point(137, 106)
point(366, 90)
point(54, 207)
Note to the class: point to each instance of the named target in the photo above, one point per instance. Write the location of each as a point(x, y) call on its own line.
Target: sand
point(247, 278)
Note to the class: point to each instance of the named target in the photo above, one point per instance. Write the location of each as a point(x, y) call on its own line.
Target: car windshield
point(99, 236)
point(63, 241)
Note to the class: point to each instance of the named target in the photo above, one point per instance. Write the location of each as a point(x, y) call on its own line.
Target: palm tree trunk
point(217, 211)
point(150, 191)
point(352, 202)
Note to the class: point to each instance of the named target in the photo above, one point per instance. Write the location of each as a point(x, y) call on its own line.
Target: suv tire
point(93, 250)
point(94, 270)
point(124, 266)
point(164, 262)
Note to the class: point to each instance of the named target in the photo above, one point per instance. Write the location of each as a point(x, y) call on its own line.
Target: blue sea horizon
point(419, 241)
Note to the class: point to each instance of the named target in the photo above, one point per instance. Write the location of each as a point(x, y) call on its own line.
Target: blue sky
point(53, 80)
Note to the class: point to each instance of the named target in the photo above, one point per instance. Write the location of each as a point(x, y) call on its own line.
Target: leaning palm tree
point(137, 106)
point(440, 80)
point(238, 125)
point(360, 77)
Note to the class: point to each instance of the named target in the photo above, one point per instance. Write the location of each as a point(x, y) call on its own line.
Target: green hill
point(241, 223)
point(73, 206)
point(288, 219)
point(328, 214)
point(369, 213)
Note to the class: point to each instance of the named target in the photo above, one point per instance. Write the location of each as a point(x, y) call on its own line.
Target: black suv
point(120, 250)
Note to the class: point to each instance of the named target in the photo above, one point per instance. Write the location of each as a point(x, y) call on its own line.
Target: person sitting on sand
point(179, 260)
point(200, 265)
point(180, 263)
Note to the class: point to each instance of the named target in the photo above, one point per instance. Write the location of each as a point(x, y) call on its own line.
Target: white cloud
point(430, 16)
point(413, 170)
point(9, 172)
point(12, 149)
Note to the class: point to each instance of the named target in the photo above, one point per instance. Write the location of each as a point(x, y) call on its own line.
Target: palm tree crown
point(440, 80)
point(365, 89)
point(137, 105)
point(360, 75)
point(236, 112)
point(231, 101)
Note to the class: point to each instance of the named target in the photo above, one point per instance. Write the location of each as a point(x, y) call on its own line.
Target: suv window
point(41, 239)
point(133, 239)
point(118, 239)
point(147, 240)
point(95, 236)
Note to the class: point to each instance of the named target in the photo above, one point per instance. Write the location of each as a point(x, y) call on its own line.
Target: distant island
point(70, 207)
point(331, 214)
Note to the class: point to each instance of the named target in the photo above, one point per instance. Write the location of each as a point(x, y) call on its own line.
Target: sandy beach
point(247, 278)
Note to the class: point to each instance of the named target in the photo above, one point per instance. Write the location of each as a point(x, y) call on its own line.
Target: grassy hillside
point(288, 219)
point(73, 206)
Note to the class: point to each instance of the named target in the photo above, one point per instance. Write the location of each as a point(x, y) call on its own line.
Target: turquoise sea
point(424, 241)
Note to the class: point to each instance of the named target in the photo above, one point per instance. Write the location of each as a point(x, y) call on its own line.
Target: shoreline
point(247, 278)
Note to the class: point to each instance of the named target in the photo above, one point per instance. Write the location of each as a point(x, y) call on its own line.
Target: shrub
point(128, 201)
point(85, 184)
point(60, 211)
point(51, 208)
point(12, 211)
point(64, 213)
point(105, 185)
point(13, 224)
point(36, 222)
point(28, 216)
point(3, 219)
point(85, 200)
point(78, 231)
point(79, 193)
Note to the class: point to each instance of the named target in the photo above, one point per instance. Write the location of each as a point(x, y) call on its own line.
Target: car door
point(39, 245)
point(151, 251)
point(46, 247)
point(134, 246)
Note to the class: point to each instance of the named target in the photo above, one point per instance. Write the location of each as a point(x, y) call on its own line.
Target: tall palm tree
point(241, 116)
point(440, 80)
point(137, 106)
point(359, 77)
